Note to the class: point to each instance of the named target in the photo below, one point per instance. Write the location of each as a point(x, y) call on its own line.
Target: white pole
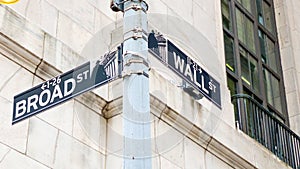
point(136, 98)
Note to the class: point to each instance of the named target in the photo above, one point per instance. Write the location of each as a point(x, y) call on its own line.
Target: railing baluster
point(260, 124)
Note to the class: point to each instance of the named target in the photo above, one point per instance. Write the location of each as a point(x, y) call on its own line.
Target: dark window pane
point(268, 53)
point(229, 52)
point(272, 90)
point(249, 70)
point(265, 16)
point(245, 30)
point(231, 85)
point(226, 18)
point(246, 4)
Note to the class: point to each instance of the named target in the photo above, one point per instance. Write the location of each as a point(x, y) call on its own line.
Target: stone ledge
point(13, 50)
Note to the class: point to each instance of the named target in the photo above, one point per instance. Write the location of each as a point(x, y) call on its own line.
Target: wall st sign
point(186, 68)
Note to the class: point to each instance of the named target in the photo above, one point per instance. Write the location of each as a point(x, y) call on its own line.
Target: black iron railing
point(259, 123)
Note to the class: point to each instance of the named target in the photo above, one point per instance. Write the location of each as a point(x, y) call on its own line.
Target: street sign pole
point(136, 98)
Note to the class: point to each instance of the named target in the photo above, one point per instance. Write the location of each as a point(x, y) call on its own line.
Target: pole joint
point(136, 33)
point(137, 59)
point(137, 6)
point(137, 72)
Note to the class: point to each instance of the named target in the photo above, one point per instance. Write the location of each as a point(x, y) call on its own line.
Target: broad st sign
point(188, 70)
point(63, 87)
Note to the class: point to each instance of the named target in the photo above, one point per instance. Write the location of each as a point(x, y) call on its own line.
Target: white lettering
point(48, 96)
point(56, 93)
point(73, 84)
point(21, 105)
point(32, 102)
point(202, 79)
point(178, 62)
point(79, 78)
point(195, 78)
point(188, 72)
point(212, 87)
point(85, 74)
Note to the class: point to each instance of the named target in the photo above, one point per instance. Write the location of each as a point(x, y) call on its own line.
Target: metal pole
point(136, 98)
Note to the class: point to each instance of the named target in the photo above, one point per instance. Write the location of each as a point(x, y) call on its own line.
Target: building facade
point(248, 49)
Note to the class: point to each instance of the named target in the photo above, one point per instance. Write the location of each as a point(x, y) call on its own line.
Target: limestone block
point(290, 79)
point(115, 89)
point(60, 55)
point(176, 154)
point(7, 70)
point(16, 160)
point(284, 37)
point(116, 37)
point(19, 7)
point(287, 58)
point(266, 159)
point(18, 29)
point(115, 135)
point(173, 147)
point(294, 122)
point(157, 6)
point(208, 7)
point(43, 14)
point(167, 164)
point(14, 136)
point(212, 162)
point(278, 3)
point(175, 98)
point(192, 150)
point(208, 119)
point(293, 104)
point(104, 7)
point(114, 161)
point(237, 142)
point(60, 116)
point(101, 20)
point(81, 12)
point(4, 150)
point(209, 28)
point(182, 9)
point(41, 141)
point(2, 14)
point(158, 85)
point(89, 127)
point(72, 34)
point(99, 44)
point(73, 154)
point(280, 15)
point(19, 82)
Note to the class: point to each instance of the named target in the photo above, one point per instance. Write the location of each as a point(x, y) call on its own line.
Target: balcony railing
point(259, 123)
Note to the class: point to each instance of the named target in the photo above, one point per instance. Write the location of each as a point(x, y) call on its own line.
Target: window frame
point(236, 75)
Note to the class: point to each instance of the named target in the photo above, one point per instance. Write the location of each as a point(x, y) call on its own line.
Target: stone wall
point(288, 27)
point(41, 39)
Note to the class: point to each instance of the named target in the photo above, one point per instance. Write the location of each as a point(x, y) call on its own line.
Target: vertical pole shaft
point(136, 98)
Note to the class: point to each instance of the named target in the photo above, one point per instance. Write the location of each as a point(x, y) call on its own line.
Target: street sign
point(186, 68)
point(65, 86)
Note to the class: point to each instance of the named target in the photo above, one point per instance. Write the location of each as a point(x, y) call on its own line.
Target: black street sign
point(186, 68)
point(64, 87)
point(190, 71)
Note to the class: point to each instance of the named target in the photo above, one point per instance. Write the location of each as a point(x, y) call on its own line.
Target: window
point(231, 83)
point(267, 47)
point(265, 16)
point(249, 70)
point(227, 23)
point(229, 53)
point(272, 90)
point(245, 30)
point(246, 4)
point(252, 53)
